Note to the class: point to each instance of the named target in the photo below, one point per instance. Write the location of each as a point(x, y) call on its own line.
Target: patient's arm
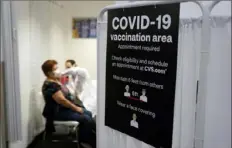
point(60, 99)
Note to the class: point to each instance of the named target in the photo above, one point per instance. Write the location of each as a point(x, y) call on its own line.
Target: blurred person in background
point(70, 63)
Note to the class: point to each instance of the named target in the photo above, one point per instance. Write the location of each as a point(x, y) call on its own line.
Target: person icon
point(127, 93)
point(133, 122)
point(143, 97)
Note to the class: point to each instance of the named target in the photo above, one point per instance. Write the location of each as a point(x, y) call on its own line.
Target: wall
point(48, 35)
point(59, 34)
point(84, 51)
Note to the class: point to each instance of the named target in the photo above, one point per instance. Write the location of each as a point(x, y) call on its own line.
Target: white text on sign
point(141, 22)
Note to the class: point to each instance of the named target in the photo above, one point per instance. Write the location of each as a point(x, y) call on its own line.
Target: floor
point(55, 145)
point(38, 142)
point(65, 141)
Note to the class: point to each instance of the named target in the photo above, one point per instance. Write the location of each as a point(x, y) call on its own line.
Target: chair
point(71, 125)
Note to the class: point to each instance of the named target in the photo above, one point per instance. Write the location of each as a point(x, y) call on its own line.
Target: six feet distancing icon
point(134, 95)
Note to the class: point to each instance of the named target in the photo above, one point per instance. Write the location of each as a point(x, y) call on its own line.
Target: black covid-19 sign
point(142, 45)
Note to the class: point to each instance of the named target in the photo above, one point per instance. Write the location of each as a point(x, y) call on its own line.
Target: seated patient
point(59, 105)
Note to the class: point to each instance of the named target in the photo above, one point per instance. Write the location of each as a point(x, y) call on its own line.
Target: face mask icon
point(133, 122)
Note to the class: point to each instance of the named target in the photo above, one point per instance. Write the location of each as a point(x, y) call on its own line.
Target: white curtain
point(187, 74)
point(218, 105)
point(189, 52)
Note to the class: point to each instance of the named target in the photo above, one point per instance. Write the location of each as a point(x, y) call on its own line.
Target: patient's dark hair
point(73, 62)
point(47, 66)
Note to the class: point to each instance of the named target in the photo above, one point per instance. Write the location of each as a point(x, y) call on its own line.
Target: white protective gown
point(81, 86)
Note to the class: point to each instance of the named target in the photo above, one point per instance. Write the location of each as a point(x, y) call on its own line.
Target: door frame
point(10, 71)
point(2, 91)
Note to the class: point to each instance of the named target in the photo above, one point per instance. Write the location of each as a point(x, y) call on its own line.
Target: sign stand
point(201, 97)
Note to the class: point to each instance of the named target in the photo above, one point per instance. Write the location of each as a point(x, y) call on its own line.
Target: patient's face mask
point(57, 73)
